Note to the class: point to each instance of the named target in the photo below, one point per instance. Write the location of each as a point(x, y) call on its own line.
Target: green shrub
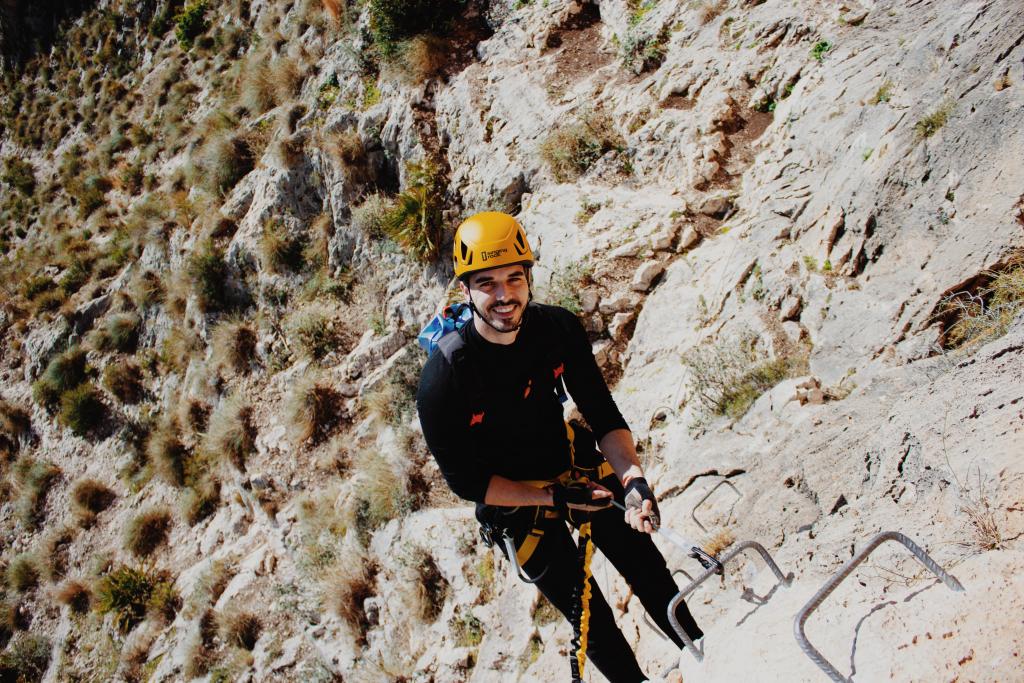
point(20, 175)
point(89, 194)
point(281, 250)
point(81, 409)
point(565, 285)
point(37, 285)
point(819, 49)
point(467, 629)
point(125, 592)
point(119, 333)
point(190, 23)
point(394, 20)
point(573, 148)
point(883, 94)
point(26, 659)
point(415, 221)
point(123, 378)
point(930, 124)
point(23, 573)
point(727, 380)
point(147, 531)
point(208, 273)
point(64, 372)
point(75, 275)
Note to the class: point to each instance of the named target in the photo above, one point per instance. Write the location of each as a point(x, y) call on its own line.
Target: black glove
point(637, 491)
point(577, 495)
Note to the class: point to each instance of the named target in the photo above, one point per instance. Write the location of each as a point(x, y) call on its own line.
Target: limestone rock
point(645, 275)
point(589, 300)
point(617, 327)
point(618, 303)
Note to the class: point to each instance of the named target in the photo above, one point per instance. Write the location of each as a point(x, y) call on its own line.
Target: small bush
point(382, 495)
point(466, 628)
point(82, 409)
point(234, 345)
point(394, 398)
point(147, 531)
point(208, 273)
point(394, 20)
point(986, 314)
point(930, 124)
point(64, 372)
point(91, 496)
point(573, 148)
point(119, 333)
point(281, 250)
point(20, 175)
point(37, 285)
point(34, 478)
point(565, 285)
point(164, 601)
point(76, 595)
point(231, 432)
point(349, 587)
point(200, 501)
point(23, 573)
point(26, 658)
point(190, 23)
point(884, 93)
point(223, 161)
point(314, 410)
point(432, 588)
point(313, 332)
point(240, 628)
point(727, 380)
point(146, 289)
point(167, 453)
point(123, 378)
point(415, 220)
point(125, 593)
point(819, 49)
point(15, 425)
point(369, 216)
point(54, 552)
point(420, 58)
point(179, 348)
point(210, 586)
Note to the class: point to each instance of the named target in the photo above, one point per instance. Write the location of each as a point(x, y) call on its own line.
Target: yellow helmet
point(489, 240)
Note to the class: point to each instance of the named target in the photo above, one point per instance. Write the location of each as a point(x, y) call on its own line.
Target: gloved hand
point(579, 495)
point(638, 494)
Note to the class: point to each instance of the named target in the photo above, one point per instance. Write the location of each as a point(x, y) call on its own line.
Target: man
point(489, 407)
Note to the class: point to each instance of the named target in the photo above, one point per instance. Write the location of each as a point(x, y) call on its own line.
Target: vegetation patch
point(91, 496)
point(727, 380)
point(23, 573)
point(125, 593)
point(414, 221)
point(76, 595)
point(190, 23)
point(82, 409)
point(381, 494)
point(119, 333)
point(930, 124)
point(209, 273)
point(240, 628)
point(147, 531)
point(566, 283)
point(123, 378)
point(348, 589)
point(26, 658)
point(392, 21)
point(281, 250)
point(231, 432)
point(34, 479)
point(987, 313)
point(314, 409)
point(65, 371)
point(571, 149)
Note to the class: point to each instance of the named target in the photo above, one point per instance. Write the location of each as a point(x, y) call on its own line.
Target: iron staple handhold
point(801, 618)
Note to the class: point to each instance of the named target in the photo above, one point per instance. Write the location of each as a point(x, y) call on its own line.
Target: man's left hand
point(641, 507)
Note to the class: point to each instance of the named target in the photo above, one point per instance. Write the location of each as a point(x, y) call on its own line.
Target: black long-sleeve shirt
point(517, 428)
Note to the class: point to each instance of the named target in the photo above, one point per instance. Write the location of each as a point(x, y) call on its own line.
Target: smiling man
point(490, 408)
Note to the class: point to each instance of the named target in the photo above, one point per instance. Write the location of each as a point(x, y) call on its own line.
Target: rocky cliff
point(793, 231)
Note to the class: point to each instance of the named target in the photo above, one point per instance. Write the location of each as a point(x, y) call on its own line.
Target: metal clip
point(784, 579)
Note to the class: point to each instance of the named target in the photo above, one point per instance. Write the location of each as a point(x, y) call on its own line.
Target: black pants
point(636, 557)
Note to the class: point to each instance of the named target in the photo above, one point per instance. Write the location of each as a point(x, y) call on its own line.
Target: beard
point(508, 321)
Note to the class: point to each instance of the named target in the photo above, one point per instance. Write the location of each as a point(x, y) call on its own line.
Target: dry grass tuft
point(987, 313)
point(347, 590)
point(123, 378)
point(231, 432)
point(719, 542)
point(167, 453)
point(240, 628)
point(147, 531)
point(23, 573)
point(314, 409)
point(77, 595)
point(432, 589)
point(382, 494)
point(91, 497)
point(571, 149)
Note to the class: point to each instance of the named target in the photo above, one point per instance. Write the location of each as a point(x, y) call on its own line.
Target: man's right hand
point(579, 495)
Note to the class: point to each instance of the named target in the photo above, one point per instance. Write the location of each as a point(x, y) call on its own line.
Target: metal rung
point(784, 579)
point(846, 570)
point(647, 617)
point(693, 512)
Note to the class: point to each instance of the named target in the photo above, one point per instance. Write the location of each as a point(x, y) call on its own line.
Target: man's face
point(500, 295)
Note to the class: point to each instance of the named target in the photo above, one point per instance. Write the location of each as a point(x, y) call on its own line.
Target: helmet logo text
point(492, 254)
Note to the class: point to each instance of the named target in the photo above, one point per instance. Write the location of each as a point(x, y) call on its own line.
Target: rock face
point(784, 200)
